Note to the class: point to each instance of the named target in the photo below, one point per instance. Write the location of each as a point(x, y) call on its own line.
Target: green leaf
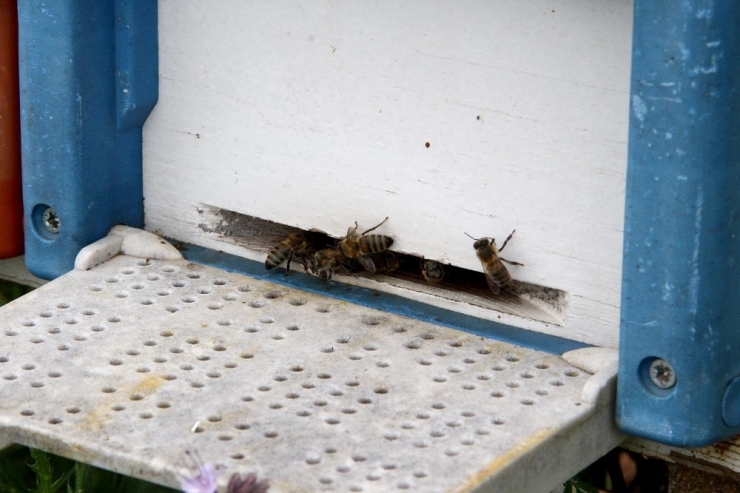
point(575, 485)
point(44, 474)
point(42, 469)
point(80, 476)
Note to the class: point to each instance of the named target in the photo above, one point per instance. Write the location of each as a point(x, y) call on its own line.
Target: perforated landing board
point(132, 363)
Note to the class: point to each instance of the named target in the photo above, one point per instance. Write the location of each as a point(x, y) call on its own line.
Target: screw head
point(52, 223)
point(662, 374)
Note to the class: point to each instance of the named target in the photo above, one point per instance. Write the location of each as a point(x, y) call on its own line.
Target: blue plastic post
point(88, 79)
point(679, 370)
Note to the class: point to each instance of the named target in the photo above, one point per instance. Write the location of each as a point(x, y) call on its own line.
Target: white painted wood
point(316, 114)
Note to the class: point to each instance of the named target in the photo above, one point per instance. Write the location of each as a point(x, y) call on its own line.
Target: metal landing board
point(128, 365)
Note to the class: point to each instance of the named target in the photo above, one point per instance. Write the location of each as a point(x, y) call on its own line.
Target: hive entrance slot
point(522, 299)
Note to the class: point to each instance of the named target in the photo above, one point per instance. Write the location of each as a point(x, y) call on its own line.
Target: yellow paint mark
point(505, 459)
point(148, 385)
point(96, 419)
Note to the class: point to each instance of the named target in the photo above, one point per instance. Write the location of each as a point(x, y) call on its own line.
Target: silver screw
point(51, 220)
point(662, 374)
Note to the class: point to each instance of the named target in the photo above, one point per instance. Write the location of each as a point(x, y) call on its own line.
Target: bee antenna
point(466, 234)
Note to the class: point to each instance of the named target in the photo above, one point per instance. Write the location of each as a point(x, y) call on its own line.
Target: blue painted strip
point(680, 301)
point(88, 79)
point(383, 301)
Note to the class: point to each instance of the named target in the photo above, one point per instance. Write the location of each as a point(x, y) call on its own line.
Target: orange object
point(11, 200)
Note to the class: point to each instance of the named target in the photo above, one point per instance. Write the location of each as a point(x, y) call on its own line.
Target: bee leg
point(506, 241)
point(287, 266)
point(510, 262)
point(375, 227)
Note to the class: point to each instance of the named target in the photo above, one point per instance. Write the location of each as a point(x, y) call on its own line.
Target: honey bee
point(325, 262)
point(294, 245)
point(358, 246)
point(386, 262)
point(432, 271)
point(496, 274)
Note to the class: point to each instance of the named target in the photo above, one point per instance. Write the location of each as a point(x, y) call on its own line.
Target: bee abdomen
point(375, 243)
point(500, 274)
point(275, 257)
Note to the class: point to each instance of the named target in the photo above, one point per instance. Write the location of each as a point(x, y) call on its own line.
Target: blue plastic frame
point(89, 79)
point(681, 270)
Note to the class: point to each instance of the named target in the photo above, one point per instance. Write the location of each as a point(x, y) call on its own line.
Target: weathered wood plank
point(721, 458)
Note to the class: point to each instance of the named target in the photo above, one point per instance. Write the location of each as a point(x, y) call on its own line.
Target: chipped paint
point(638, 107)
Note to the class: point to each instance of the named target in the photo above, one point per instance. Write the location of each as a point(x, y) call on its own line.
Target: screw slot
point(662, 374)
point(51, 220)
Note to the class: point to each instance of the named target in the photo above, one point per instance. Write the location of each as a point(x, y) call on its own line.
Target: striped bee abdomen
point(374, 243)
point(276, 256)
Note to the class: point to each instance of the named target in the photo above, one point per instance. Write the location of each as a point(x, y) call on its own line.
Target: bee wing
point(493, 283)
point(368, 264)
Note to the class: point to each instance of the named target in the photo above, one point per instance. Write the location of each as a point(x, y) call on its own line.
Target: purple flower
point(204, 481)
point(248, 484)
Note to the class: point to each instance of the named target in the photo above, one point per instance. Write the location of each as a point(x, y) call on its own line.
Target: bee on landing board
point(358, 246)
point(432, 270)
point(496, 274)
point(294, 245)
point(325, 262)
